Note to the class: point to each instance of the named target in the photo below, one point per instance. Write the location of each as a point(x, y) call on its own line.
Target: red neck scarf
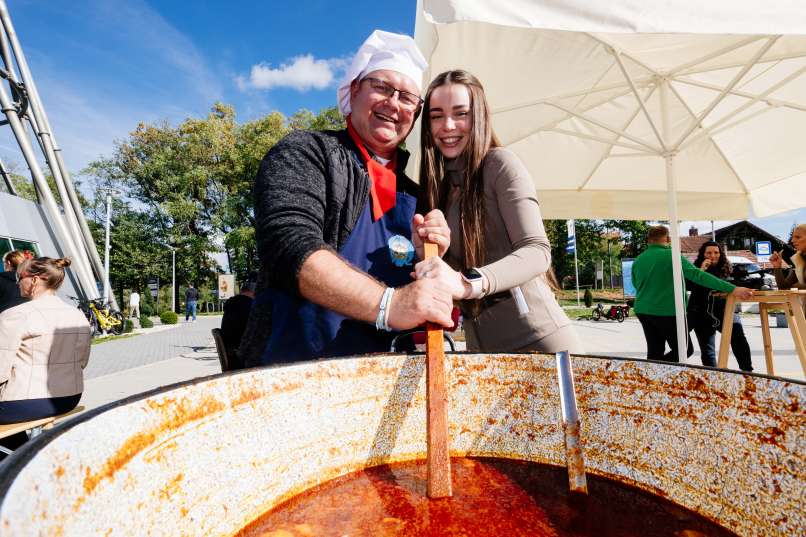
point(383, 181)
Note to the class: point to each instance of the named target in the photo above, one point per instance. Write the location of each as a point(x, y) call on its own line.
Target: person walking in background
point(706, 310)
point(9, 291)
point(499, 259)
point(191, 300)
point(654, 300)
point(44, 348)
point(233, 323)
point(134, 304)
point(796, 276)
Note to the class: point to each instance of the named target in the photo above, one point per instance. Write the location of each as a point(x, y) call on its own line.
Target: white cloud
point(301, 73)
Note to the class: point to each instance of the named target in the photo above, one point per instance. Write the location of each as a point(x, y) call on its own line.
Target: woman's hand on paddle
point(433, 228)
point(437, 269)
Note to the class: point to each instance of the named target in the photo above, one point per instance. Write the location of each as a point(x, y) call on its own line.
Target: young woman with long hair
point(44, 347)
point(499, 255)
point(706, 309)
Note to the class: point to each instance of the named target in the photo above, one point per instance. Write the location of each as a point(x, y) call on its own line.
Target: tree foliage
point(188, 186)
point(607, 241)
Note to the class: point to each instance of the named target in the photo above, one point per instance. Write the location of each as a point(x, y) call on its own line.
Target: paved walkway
point(170, 354)
point(169, 342)
point(626, 340)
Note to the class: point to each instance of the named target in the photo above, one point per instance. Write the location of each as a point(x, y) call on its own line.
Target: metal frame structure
point(23, 108)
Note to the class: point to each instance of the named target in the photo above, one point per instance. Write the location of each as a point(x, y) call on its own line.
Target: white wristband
point(382, 321)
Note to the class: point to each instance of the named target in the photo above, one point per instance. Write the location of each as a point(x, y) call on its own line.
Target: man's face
point(382, 121)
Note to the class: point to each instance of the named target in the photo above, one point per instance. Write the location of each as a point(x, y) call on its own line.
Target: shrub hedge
point(169, 317)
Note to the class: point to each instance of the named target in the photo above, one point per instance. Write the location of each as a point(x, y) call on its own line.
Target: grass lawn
point(578, 313)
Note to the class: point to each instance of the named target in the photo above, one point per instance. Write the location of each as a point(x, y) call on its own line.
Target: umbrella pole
point(677, 266)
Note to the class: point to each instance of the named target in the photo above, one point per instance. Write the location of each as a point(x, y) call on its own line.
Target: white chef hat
point(383, 50)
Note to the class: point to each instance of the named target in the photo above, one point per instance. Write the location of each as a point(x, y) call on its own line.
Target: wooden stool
point(790, 302)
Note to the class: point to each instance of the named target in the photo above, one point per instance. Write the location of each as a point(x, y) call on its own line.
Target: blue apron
point(302, 330)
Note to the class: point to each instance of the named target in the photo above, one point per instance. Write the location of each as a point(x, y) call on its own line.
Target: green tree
point(626, 238)
point(588, 243)
point(327, 119)
point(190, 187)
point(25, 188)
point(633, 235)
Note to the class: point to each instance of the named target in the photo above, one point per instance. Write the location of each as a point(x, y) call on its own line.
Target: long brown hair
point(722, 268)
point(434, 189)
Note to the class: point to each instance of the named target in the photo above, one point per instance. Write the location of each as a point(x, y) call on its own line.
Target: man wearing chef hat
point(337, 229)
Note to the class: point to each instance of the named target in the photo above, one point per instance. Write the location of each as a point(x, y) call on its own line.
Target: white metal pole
point(610, 262)
point(173, 279)
point(677, 265)
point(87, 256)
point(674, 229)
point(86, 281)
point(576, 265)
point(106, 247)
point(42, 131)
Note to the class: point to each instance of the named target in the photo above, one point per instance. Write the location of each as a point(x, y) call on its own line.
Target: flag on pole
point(571, 245)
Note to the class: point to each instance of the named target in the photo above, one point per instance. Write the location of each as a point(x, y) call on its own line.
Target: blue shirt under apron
point(302, 330)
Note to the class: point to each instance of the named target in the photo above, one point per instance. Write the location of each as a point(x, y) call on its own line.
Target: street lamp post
point(173, 278)
point(109, 192)
point(106, 247)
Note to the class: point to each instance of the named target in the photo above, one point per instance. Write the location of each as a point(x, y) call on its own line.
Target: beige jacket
point(44, 347)
point(518, 253)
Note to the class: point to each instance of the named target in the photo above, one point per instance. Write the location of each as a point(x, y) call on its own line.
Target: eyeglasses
point(407, 99)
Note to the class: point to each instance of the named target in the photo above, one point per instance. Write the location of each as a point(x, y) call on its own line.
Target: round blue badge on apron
point(401, 250)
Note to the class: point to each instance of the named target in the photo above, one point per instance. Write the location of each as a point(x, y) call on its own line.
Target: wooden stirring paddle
point(439, 460)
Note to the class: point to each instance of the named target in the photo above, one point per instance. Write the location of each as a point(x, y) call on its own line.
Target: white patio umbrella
point(639, 110)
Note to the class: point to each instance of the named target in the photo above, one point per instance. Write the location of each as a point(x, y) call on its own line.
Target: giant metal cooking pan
point(207, 457)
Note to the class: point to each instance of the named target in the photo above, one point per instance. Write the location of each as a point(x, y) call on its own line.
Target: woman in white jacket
point(44, 347)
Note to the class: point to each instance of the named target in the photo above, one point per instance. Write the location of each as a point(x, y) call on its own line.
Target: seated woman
point(9, 292)
point(795, 277)
point(706, 310)
point(499, 260)
point(44, 347)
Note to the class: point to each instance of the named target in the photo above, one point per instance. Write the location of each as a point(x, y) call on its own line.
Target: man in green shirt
point(654, 297)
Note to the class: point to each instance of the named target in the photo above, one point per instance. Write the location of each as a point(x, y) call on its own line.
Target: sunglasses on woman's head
point(20, 278)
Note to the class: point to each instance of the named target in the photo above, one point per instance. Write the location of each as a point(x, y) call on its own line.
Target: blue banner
point(571, 245)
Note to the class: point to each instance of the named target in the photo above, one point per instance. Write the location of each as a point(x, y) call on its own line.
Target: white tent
point(639, 110)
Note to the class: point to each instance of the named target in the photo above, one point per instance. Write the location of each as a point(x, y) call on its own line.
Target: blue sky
point(103, 66)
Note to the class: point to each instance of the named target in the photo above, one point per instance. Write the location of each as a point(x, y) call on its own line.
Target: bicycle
point(101, 317)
